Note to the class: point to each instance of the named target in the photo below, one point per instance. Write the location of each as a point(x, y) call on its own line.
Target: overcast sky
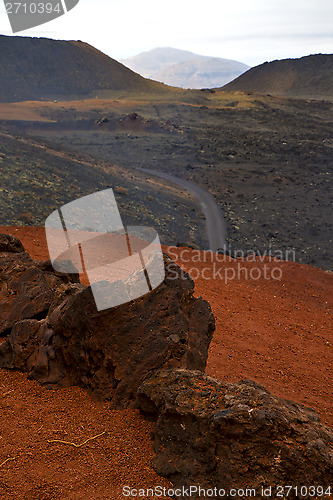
point(250, 31)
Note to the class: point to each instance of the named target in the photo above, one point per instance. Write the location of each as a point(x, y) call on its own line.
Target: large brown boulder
point(55, 333)
point(214, 434)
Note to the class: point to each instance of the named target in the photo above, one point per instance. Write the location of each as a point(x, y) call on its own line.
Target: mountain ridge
point(182, 68)
point(306, 77)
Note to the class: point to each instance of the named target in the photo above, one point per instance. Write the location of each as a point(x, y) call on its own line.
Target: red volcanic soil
point(278, 332)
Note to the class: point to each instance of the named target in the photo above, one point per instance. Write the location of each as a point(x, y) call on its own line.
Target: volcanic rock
point(214, 434)
point(9, 243)
point(68, 342)
point(27, 289)
point(24, 292)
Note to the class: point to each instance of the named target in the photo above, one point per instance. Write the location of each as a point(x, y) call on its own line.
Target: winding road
point(215, 223)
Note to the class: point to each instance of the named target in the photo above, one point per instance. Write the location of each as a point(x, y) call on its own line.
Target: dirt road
point(215, 224)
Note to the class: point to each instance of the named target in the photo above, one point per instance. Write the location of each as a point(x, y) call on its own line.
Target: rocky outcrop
point(214, 434)
point(28, 290)
point(9, 243)
point(151, 353)
point(54, 332)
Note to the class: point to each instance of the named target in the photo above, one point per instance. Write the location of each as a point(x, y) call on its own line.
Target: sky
point(250, 31)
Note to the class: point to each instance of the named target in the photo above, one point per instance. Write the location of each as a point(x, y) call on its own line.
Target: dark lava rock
point(24, 292)
point(21, 344)
point(11, 244)
point(68, 342)
point(222, 435)
point(27, 289)
point(46, 266)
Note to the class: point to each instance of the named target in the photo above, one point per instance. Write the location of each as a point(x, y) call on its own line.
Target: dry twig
point(7, 460)
point(6, 393)
point(74, 444)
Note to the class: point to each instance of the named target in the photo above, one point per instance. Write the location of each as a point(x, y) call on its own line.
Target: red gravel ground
point(278, 332)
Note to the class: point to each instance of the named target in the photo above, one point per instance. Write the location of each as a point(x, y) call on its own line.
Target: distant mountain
point(307, 77)
point(182, 68)
point(40, 68)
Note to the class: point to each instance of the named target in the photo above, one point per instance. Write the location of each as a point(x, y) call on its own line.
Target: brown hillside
point(307, 77)
point(40, 68)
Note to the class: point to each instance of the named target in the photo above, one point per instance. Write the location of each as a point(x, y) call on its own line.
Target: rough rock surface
point(216, 434)
point(9, 243)
point(28, 289)
point(53, 330)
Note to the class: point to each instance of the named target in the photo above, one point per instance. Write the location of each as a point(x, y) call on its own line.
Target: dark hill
point(40, 68)
point(308, 77)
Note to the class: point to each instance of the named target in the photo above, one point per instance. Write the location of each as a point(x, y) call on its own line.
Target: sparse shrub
point(26, 218)
point(121, 190)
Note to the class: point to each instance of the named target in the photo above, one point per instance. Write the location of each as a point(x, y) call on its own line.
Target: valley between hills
point(172, 388)
point(266, 160)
